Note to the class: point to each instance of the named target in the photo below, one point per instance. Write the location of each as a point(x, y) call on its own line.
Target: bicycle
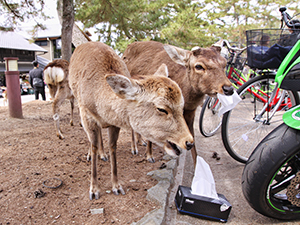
point(209, 120)
point(261, 108)
point(271, 177)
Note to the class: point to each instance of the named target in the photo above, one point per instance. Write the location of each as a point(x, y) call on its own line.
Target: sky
point(49, 10)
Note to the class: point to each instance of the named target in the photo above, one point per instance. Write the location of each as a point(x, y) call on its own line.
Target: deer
point(109, 98)
point(56, 77)
point(198, 73)
point(5, 98)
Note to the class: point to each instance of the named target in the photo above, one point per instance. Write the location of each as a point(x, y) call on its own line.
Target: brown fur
point(146, 57)
point(59, 89)
point(5, 99)
point(109, 98)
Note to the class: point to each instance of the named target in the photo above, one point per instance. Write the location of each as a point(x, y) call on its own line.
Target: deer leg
point(189, 116)
point(102, 154)
point(72, 109)
point(80, 123)
point(52, 91)
point(113, 134)
point(140, 140)
point(134, 149)
point(55, 107)
point(149, 152)
point(92, 131)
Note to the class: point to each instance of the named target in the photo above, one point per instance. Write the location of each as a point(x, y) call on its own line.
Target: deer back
point(197, 72)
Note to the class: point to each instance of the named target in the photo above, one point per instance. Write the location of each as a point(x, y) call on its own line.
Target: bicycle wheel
point(209, 120)
point(242, 129)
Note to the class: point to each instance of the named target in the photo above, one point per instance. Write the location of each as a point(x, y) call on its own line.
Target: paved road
point(227, 174)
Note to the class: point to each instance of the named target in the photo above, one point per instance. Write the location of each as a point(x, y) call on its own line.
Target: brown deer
point(56, 77)
point(197, 72)
point(109, 98)
point(5, 98)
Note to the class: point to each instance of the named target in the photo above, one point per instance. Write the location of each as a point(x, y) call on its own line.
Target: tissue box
point(200, 206)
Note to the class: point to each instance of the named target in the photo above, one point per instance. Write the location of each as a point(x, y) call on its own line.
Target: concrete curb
point(164, 192)
point(160, 192)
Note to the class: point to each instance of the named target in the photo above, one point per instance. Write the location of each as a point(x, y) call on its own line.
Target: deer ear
point(178, 55)
point(162, 70)
point(124, 87)
point(219, 43)
point(216, 48)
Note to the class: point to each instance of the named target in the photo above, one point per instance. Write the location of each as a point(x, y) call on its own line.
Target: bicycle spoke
point(253, 118)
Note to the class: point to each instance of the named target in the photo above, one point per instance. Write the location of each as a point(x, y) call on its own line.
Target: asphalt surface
point(227, 175)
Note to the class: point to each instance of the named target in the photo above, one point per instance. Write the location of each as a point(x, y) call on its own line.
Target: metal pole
point(12, 76)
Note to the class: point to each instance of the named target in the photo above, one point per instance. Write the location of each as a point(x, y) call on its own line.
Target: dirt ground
point(31, 155)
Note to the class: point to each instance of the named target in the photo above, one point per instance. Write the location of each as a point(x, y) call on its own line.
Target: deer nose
point(228, 90)
point(189, 145)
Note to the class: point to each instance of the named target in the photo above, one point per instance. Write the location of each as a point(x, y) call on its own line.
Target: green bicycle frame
point(292, 116)
point(283, 70)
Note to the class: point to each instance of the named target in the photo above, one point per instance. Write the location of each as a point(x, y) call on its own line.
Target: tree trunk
point(67, 28)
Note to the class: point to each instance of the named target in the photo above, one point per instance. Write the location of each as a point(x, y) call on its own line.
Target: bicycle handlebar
point(287, 19)
point(236, 49)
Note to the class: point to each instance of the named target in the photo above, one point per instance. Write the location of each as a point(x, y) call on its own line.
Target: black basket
point(266, 48)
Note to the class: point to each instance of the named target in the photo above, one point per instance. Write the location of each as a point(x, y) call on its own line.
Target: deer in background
point(198, 72)
point(109, 98)
point(56, 77)
point(5, 98)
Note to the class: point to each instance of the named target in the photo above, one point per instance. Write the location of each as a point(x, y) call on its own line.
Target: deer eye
point(199, 67)
point(162, 110)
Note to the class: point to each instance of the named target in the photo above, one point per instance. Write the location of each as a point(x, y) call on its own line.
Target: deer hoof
point(60, 136)
point(104, 158)
point(117, 191)
point(71, 123)
point(135, 152)
point(122, 191)
point(88, 157)
point(151, 160)
point(96, 194)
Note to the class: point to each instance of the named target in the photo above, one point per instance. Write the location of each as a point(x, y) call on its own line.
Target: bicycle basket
point(266, 48)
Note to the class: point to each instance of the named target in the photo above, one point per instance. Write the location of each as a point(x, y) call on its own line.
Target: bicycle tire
point(269, 172)
point(240, 132)
point(209, 120)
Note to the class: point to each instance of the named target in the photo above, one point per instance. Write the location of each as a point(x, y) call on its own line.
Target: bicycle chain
point(293, 190)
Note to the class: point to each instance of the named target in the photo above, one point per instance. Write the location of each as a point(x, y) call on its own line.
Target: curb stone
point(160, 192)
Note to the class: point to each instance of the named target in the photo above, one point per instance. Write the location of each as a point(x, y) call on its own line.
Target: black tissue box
point(201, 206)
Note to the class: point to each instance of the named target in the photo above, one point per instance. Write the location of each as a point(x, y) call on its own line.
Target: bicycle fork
point(258, 117)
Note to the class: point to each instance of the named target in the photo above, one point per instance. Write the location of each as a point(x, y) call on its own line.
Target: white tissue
point(228, 102)
point(203, 181)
